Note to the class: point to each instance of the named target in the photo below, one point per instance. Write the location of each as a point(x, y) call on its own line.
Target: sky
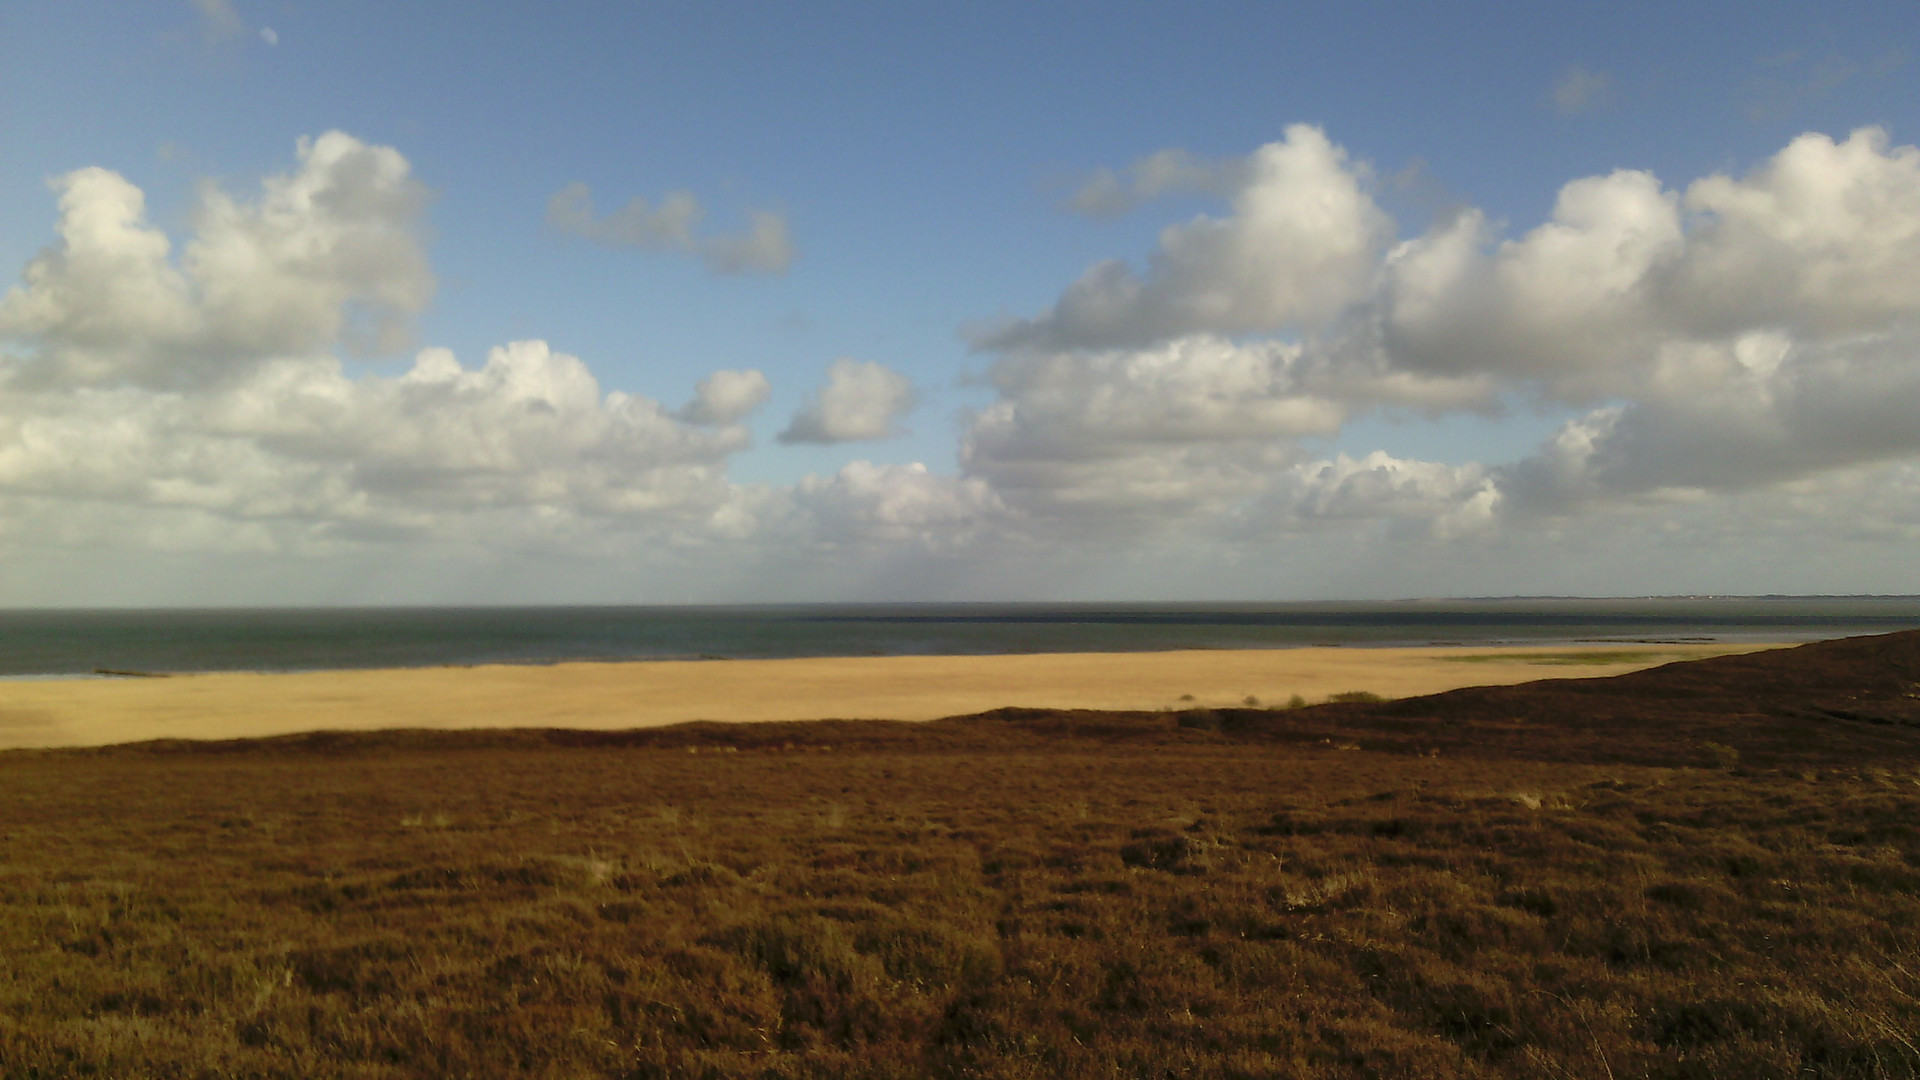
point(360, 303)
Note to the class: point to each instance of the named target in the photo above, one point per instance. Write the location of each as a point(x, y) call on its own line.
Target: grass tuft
point(1352, 697)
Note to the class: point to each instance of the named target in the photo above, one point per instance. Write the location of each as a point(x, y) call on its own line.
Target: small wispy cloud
point(1789, 80)
point(764, 247)
point(219, 18)
point(1580, 89)
point(1109, 193)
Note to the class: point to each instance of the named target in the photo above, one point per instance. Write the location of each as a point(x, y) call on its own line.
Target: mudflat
point(616, 696)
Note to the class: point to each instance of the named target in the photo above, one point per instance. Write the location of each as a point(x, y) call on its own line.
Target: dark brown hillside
point(1702, 871)
point(1846, 701)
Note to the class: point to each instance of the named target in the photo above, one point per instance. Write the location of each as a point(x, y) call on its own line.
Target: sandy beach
point(612, 696)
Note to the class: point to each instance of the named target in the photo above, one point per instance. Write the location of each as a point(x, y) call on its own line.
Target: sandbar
point(617, 696)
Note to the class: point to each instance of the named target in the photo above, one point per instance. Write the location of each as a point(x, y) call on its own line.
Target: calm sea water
point(66, 643)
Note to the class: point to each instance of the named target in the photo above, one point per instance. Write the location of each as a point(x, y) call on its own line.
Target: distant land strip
point(618, 696)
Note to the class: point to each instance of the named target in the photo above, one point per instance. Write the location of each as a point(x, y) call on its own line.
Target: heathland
point(1706, 869)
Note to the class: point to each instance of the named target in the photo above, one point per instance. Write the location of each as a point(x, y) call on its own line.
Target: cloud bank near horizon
point(1741, 352)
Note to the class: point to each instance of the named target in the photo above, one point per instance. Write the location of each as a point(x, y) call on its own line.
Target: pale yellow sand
point(95, 712)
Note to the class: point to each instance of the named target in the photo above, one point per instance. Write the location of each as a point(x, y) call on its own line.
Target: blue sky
point(921, 162)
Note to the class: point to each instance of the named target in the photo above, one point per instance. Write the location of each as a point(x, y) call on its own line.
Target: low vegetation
point(1579, 658)
point(1015, 895)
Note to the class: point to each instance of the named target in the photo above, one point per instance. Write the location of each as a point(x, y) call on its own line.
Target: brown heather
point(1704, 870)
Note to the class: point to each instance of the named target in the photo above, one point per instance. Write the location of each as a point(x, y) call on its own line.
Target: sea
point(114, 643)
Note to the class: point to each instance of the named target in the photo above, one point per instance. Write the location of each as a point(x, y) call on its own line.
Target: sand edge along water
point(615, 696)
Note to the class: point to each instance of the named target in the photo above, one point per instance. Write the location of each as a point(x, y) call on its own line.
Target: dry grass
point(1575, 658)
point(1071, 898)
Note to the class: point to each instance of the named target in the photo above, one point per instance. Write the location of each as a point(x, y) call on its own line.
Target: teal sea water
point(70, 643)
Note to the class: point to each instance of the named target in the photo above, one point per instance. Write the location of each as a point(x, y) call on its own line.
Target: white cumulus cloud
point(726, 397)
point(1430, 498)
point(1300, 245)
point(1823, 240)
point(328, 254)
point(862, 400)
point(1740, 355)
point(1748, 330)
point(864, 502)
point(207, 385)
point(1198, 421)
point(299, 441)
point(1738, 333)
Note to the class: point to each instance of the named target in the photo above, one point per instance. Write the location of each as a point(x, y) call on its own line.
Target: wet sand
point(614, 696)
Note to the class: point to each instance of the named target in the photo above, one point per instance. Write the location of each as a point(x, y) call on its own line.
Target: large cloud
point(1194, 423)
point(197, 402)
point(1300, 245)
point(1821, 241)
point(327, 255)
point(1741, 356)
point(299, 440)
point(1751, 412)
point(1572, 303)
point(1824, 239)
point(209, 383)
point(1741, 332)
point(1757, 329)
point(1193, 426)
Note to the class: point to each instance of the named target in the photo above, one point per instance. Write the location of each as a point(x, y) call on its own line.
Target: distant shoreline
point(1734, 643)
point(84, 643)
